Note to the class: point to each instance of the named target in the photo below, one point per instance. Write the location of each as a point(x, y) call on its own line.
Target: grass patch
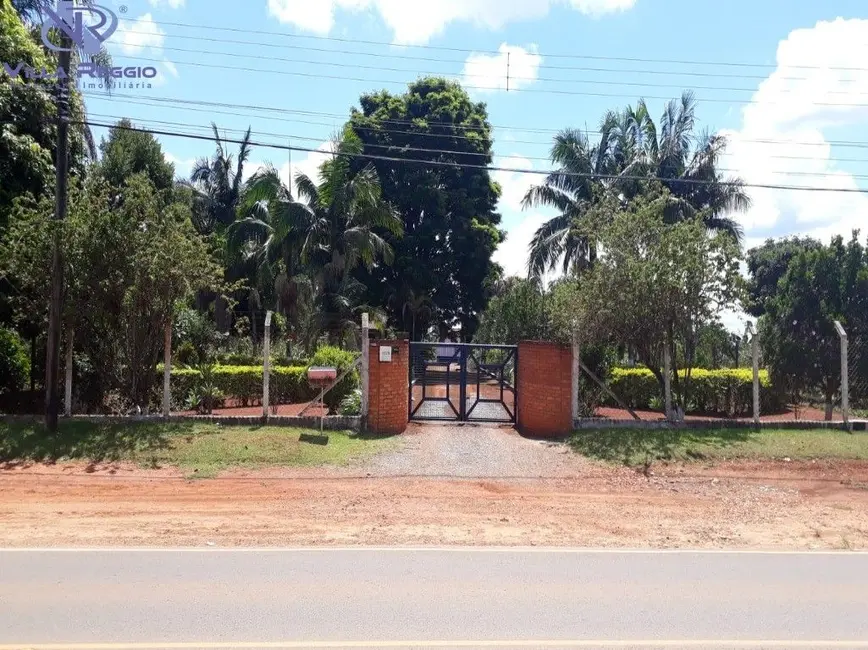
point(635, 446)
point(200, 449)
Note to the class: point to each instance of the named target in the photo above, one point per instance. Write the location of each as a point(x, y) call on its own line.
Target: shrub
point(352, 403)
point(244, 383)
point(14, 362)
point(341, 359)
point(725, 391)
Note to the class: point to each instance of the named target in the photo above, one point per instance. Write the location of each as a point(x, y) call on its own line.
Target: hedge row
point(726, 391)
point(287, 385)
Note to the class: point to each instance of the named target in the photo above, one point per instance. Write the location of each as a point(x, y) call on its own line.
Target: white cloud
point(182, 165)
point(143, 37)
point(513, 68)
point(140, 36)
point(512, 253)
point(599, 7)
point(513, 184)
point(796, 106)
point(172, 4)
point(418, 22)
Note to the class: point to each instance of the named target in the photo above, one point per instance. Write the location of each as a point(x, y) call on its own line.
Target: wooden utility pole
point(55, 307)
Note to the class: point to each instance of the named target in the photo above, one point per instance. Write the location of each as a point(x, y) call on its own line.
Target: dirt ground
point(791, 505)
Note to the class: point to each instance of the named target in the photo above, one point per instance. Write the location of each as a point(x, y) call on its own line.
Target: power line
point(287, 136)
point(445, 125)
point(473, 51)
point(402, 82)
point(440, 163)
point(462, 62)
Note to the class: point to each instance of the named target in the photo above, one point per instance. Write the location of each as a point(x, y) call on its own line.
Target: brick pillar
point(545, 382)
point(389, 388)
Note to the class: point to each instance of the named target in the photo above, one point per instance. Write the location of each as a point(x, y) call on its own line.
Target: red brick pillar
point(544, 387)
point(389, 392)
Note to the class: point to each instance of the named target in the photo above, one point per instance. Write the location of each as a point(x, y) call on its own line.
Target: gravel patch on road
point(475, 451)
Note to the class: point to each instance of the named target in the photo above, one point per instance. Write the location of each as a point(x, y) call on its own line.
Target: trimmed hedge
point(287, 385)
point(726, 391)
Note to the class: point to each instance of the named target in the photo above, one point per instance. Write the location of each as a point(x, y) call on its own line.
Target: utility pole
point(55, 307)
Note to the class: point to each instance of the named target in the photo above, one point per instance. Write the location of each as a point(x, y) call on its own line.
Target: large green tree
point(797, 330)
point(655, 286)
point(128, 151)
point(612, 168)
point(767, 264)
point(447, 202)
point(127, 265)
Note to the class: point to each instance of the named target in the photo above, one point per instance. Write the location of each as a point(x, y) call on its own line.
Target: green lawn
point(634, 446)
point(201, 450)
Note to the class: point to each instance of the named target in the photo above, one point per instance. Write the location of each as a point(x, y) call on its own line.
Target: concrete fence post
point(845, 374)
point(67, 406)
point(756, 382)
point(266, 366)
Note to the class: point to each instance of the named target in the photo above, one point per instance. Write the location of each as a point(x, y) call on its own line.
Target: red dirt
point(732, 505)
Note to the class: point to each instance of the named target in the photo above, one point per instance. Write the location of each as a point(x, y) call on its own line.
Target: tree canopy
point(450, 222)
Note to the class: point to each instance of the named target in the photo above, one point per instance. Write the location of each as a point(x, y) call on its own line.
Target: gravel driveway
point(476, 451)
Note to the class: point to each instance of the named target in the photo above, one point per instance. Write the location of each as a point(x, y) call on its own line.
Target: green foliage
point(333, 357)
point(451, 226)
point(519, 312)
point(655, 285)
point(126, 153)
point(287, 385)
point(797, 332)
point(631, 145)
point(727, 391)
point(205, 395)
point(352, 403)
point(127, 266)
point(767, 264)
point(14, 362)
point(195, 336)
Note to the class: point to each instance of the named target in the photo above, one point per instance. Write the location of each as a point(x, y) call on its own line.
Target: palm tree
point(603, 176)
point(330, 230)
point(578, 183)
point(217, 185)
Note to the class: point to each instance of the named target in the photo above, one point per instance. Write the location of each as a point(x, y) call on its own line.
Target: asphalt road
point(214, 598)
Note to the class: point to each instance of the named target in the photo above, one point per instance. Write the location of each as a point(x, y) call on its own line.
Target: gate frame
point(462, 355)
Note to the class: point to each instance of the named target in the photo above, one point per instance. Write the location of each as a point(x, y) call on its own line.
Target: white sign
point(385, 354)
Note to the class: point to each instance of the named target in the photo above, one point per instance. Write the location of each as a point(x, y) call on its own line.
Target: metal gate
point(463, 382)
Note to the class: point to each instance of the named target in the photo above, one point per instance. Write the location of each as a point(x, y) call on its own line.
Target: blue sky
point(774, 99)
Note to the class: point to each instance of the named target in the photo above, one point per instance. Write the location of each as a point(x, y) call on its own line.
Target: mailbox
point(321, 374)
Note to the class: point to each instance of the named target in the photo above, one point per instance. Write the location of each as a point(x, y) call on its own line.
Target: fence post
point(366, 360)
point(845, 374)
point(67, 406)
point(577, 360)
point(266, 366)
point(667, 381)
point(756, 382)
point(167, 370)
